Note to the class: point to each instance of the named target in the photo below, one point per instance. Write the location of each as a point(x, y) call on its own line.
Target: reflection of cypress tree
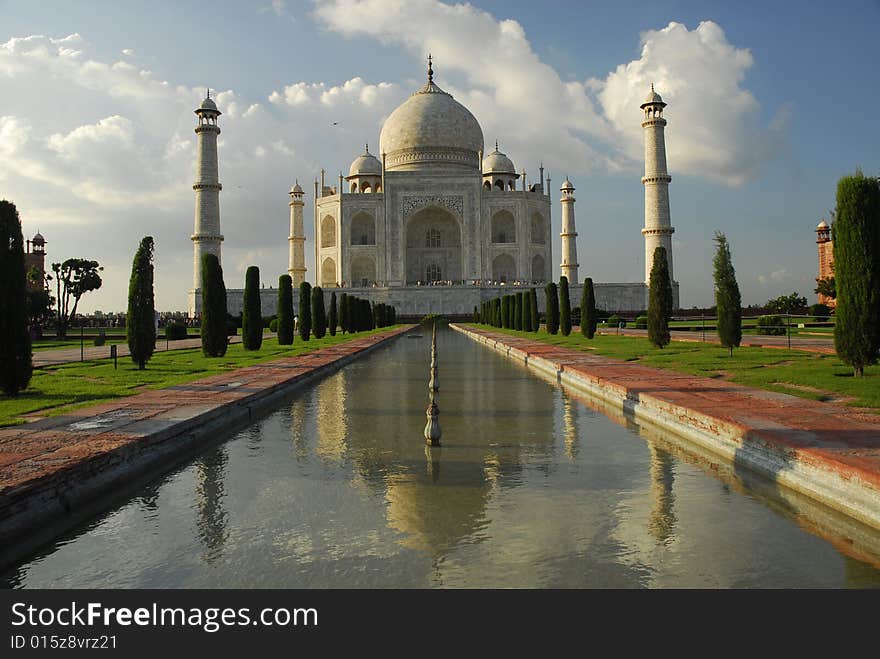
point(662, 521)
point(210, 491)
point(571, 435)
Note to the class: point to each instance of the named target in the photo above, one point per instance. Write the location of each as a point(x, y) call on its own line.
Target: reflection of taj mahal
point(434, 224)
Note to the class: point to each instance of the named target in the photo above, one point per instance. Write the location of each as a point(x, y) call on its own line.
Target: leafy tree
point(564, 306)
point(788, 304)
point(332, 320)
point(319, 315)
point(728, 302)
point(252, 311)
point(214, 329)
point(659, 300)
point(827, 287)
point(856, 235)
point(552, 303)
point(285, 310)
point(589, 317)
point(73, 279)
point(343, 313)
point(533, 310)
point(305, 310)
point(140, 321)
point(39, 305)
point(15, 339)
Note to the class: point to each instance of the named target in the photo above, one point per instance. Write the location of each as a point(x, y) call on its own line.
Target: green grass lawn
point(58, 389)
point(805, 374)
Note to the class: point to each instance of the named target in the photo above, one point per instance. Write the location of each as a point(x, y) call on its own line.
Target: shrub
point(771, 325)
point(614, 320)
point(101, 339)
point(175, 331)
point(821, 312)
point(641, 322)
point(273, 325)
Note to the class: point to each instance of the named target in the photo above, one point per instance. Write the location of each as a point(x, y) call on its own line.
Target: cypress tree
point(517, 311)
point(511, 310)
point(526, 312)
point(659, 300)
point(252, 311)
point(16, 365)
point(374, 313)
point(214, 335)
point(505, 311)
point(343, 312)
point(589, 318)
point(727, 298)
point(285, 310)
point(552, 304)
point(319, 315)
point(332, 316)
point(533, 309)
point(371, 319)
point(305, 310)
point(564, 307)
point(856, 235)
point(140, 321)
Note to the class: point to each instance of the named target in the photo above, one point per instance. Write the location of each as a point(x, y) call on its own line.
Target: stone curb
point(845, 478)
point(35, 510)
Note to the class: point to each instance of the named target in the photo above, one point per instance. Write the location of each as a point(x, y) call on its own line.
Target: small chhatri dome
point(653, 98)
point(296, 189)
point(566, 185)
point(365, 164)
point(498, 163)
point(431, 128)
point(209, 104)
point(38, 239)
point(822, 225)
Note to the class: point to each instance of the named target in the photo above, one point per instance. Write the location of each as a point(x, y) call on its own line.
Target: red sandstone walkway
point(51, 454)
point(832, 437)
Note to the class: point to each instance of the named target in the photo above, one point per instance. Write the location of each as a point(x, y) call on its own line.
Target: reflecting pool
point(533, 487)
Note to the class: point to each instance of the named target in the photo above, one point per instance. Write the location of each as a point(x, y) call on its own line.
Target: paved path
point(798, 342)
point(90, 352)
point(778, 434)
point(60, 463)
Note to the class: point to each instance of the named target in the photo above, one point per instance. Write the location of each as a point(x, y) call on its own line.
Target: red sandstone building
point(826, 258)
point(35, 259)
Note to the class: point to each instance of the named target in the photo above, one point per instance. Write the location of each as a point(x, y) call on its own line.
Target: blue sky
point(768, 107)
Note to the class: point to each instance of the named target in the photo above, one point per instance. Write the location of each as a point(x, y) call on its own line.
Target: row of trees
point(514, 311)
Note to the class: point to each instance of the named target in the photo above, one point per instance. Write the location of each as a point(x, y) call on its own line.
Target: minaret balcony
point(657, 178)
point(658, 231)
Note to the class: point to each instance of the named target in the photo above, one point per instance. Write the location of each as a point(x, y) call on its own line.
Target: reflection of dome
point(431, 128)
point(366, 164)
point(498, 163)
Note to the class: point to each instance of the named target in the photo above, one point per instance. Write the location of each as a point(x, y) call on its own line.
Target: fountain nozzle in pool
point(432, 428)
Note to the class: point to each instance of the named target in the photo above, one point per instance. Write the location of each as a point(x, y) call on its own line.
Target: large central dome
point(431, 130)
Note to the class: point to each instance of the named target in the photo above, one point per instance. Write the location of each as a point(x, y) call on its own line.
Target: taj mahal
point(432, 223)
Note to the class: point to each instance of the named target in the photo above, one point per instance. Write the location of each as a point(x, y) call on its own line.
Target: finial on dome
point(430, 69)
point(652, 87)
point(367, 147)
point(496, 145)
point(209, 92)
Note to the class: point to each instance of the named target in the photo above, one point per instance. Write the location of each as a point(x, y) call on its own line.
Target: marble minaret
point(658, 228)
point(296, 265)
point(569, 265)
point(206, 234)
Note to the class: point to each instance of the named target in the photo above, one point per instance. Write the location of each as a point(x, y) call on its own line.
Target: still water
point(533, 487)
